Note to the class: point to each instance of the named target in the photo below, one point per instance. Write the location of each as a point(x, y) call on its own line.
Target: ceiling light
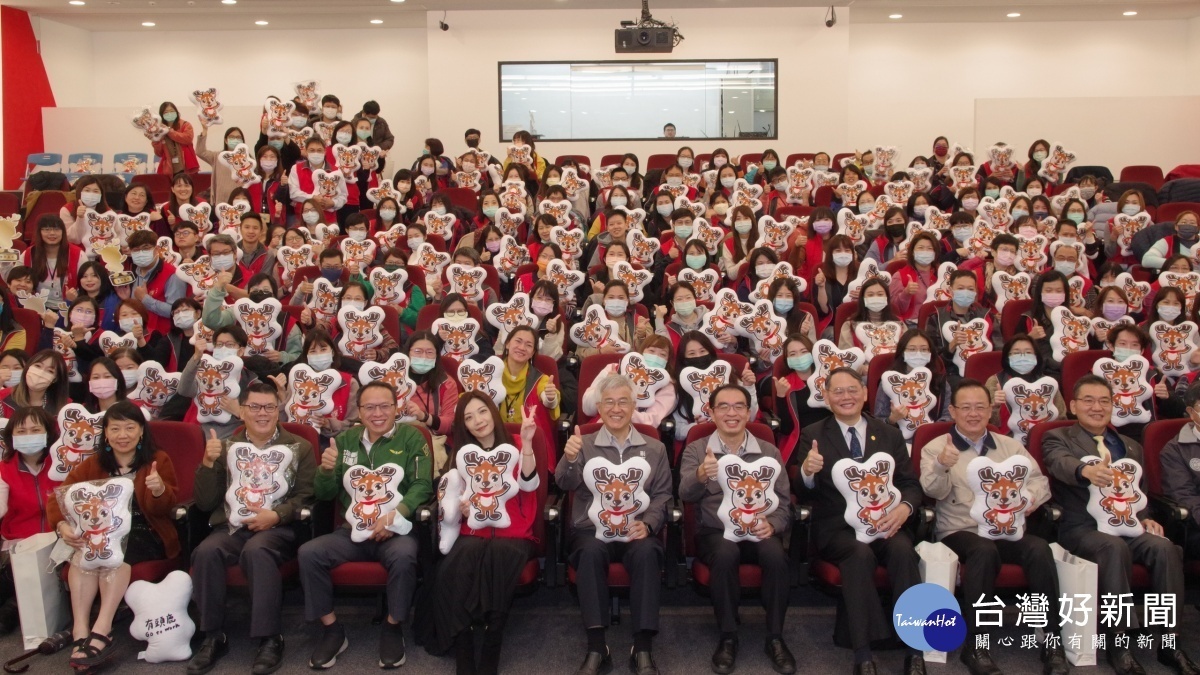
point(397, 0)
point(1130, 14)
point(260, 23)
point(1013, 15)
point(895, 16)
point(148, 24)
point(228, 2)
point(376, 21)
point(77, 3)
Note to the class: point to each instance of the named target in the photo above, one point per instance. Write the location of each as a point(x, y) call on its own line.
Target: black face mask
point(259, 295)
point(472, 142)
point(701, 362)
point(895, 231)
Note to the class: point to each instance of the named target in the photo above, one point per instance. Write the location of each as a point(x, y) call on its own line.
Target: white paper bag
point(938, 565)
point(1077, 576)
point(41, 598)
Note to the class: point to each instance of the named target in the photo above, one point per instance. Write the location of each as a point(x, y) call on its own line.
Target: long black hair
point(124, 411)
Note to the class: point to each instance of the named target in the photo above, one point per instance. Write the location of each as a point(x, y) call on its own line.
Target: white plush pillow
point(1115, 507)
point(869, 493)
point(100, 512)
point(257, 479)
point(747, 494)
point(160, 617)
point(488, 479)
point(618, 495)
point(374, 493)
point(1001, 499)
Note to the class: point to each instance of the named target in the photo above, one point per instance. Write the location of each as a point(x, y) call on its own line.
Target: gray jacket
point(1180, 459)
point(708, 493)
point(568, 475)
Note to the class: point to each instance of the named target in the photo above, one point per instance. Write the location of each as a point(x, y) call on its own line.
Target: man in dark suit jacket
point(1062, 451)
point(829, 441)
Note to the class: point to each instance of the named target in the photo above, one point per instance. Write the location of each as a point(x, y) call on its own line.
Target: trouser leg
point(260, 560)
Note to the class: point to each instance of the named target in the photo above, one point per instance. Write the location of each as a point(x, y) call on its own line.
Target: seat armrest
point(1168, 509)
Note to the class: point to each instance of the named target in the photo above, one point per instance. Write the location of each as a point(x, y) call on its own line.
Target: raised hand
point(573, 446)
point(708, 468)
point(212, 449)
point(330, 456)
point(1101, 474)
point(154, 481)
point(782, 387)
point(949, 455)
point(528, 427)
point(813, 461)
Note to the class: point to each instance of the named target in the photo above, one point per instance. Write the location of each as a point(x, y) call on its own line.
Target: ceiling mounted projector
point(646, 35)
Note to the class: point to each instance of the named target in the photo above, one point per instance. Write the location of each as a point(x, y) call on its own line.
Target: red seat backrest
point(748, 158)
point(1155, 436)
point(823, 196)
point(463, 198)
point(579, 159)
point(927, 309)
point(659, 161)
point(836, 162)
point(185, 445)
point(1075, 366)
point(589, 368)
point(1035, 439)
point(984, 365)
point(797, 210)
point(841, 315)
point(705, 429)
point(1011, 321)
point(921, 438)
point(875, 371)
point(307, 433)
point(1143, 173)
point(800, 157)
point(609, 160)
point(1170, 211)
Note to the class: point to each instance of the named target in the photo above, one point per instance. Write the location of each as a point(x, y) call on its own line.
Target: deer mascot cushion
point(869, 269)
point(374, 493)
point(110, 342)
point(155, 387)
point(361, 330)
point(1070, 332)
point(747, 494)
point(449, 496)
point(700, 384)
point(486, 377)
point(765, 329)
point(215, 380)
point(911, 392)
point(635, 279)
point(566, 279)
point(489, 478)
point(199, 274)
point(1008, 287)
point(878, 338)
point(260, 320)
point(597, 330)
point(1131, 388)
point(869, 493)
point(1001, 499)
point(258, 479)
point(1030, 403)
point(160, 617)
point(466, 280)
point(704, 282)
point(646, 380)
point(642, 247)
point(721, 323)
point(78, 431)
point(1116, 506)
point(389, 286)
point(458, 339)
point(310, 394)
point(827, 358)
point(618, 495)
point(324, 300)
point(975, 339)
point(394, 371)
point(99, 510)
point(506, 316)
point(1173, 346)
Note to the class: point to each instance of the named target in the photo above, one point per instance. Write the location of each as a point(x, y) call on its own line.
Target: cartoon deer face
point(1034, 403)
point(256, 321)
point(201, 273)
point(349, 157)
point(211, 377)
point(371, 487)
point(870, 487)
point(467, 280)
point(704, 384)
point(1172, 338)
point(308, 391)
point(751, 491)
point(156, 390)
point(477, 380)
point(325, 298)
point(911, 392)
point(78, 431)
point(1003, 490)
point(568, 240)
point(643, 248)
point(487, 475)
point(395, 376)
point(1075, 330)
point(641, 375)
point(457, 340)
point(1015, 286)
point(258, 471)
point(96, 511)
point(559, 210)
point(360, 327)
point(883, 335)
point(617, 491)
point(207, 100)
point(307, 92)
point(103, 226)
point(511, 315)
point(775, 234)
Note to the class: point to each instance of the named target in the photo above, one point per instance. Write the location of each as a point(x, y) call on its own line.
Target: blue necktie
point(855, 446)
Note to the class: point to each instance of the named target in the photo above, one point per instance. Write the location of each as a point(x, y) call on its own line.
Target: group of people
point(864, 236)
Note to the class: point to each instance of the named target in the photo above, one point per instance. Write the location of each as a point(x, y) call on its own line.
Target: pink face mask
point(1053, 299)
point(1005, 258)
point(103, 388)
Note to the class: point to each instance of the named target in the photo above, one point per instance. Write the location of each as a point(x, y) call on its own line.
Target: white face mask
point(184, 321)
point(358, 235)
point(1169, 312)
point(223, 353)
point(268, 165)
point(842, 258)
point(222, 262)
point(316, 158)
point(128, 325)
point(320, 361)
point(356, 304)
point(131, 378)
point(344, 137)
point(764, 271)
point(875, 303)
point(330, 112)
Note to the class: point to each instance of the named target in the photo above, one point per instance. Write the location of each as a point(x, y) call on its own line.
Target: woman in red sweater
point(486, 564)
point(175, 151)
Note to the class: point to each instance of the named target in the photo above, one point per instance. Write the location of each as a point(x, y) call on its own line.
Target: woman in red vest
point(183, 191)
point(321, 354)
point(175, 149)
point(55, 262)
point(155, 283)
point(432, 404)
point(302, 187)
point(270, 196)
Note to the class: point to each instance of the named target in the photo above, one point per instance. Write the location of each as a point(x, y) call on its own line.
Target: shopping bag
point(42, 600)
point(1077, 579)
point(938, 565)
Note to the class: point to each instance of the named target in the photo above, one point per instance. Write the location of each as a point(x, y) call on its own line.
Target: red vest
point(157, 289)
point(305, 184)
point(73, 254)
point(28, 495)
point(275, 211)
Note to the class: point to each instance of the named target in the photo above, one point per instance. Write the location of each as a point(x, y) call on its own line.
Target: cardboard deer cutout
point(429, 259)
point(747, 494)
point(241, 164)
point(389, 286)
point(199, 274)
point(1001, 497)
point(774, 234)
point(509, 220)
point(510, 256)
point(291, 259)
point(869, 492)
point(258, 479)
point(618, 495)
point(374, 493)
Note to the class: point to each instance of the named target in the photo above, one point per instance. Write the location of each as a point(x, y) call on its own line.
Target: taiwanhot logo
point(927, 617)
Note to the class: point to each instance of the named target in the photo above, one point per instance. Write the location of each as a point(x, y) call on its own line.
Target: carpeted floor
point(544, 636)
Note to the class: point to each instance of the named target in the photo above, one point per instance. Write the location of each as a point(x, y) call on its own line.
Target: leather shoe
point(914, 664)
point(1178, 661)
point(1123, 663)
point(1054, 660)
point(269, 657)
point(642, 663)
point(214, 646)
point(867, 668)
point(596, 663)
point(781, 659)
point(725, 657)
point(979, 662)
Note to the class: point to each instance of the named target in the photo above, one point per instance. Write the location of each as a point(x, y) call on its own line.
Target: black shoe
point(329, 646)
point(10, 617)
point(867, 668)
point(1055, 661)
point(781, 659)
point(725, 657)
point(214, 646)
point(914, 664)
point(979, 662)
point(1178, 661)
point(269, 657)
point(596, 663)
point(391, 645)
point(642, 663)
point(1123, 663)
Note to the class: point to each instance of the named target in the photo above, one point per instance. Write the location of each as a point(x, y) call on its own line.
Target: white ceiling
point(121, 15)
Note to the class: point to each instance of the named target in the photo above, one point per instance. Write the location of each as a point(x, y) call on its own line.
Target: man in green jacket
point(379, 441)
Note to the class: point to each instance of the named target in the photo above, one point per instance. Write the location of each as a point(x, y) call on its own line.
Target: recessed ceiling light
point(376, 21)
point(148, 24)
point(1130, 14)
point(397, 0)
point(260, 23)
point(895, 16)
point(1013, 15)
point(77, 3)
point(228, 2)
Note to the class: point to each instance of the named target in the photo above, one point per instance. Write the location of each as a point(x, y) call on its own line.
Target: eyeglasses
point(610, 403)
point(845, 391)
point(972, 408)
point(382, 407)
point(1091, 402)
point(256, 408)
point(732, 407)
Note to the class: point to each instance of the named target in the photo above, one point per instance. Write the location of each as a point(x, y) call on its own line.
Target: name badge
point(350, 457)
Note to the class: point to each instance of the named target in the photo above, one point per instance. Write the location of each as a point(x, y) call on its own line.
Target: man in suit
point(1063, 450)
point(1180, 460)
point(617, 442)
point(944, 477)
point(850, 434)
point(700, 483)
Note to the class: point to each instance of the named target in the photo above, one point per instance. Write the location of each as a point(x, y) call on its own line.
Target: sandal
point(94, 656)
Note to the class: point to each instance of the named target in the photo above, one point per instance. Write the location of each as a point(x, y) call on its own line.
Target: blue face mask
point(277, 144)
point(421, 366)
point(800, 363)
point(1123, 354)
point(783, 305)
point(696, 261)
point(770, 164)
point(865, 208)
point(232, 142)
point(332, 275)
point(1017, 214)
point(1022, 364)
point(1076, 218)
point(654, 360)
point(1131, 209)
point(964, 298)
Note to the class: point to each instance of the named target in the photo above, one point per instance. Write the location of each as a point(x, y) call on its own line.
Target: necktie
point(855, 446)
point(1102, 449)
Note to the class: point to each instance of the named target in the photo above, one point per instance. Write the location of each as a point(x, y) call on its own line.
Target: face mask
point(1033, 191)
point(142, 258)
point(823, 226)
point(1018, 214)
point(742, 226)
point(103, 388)
point(674, 181)
point(654, 360)
point(549, 181)
point(1131, 209)
point(696, 261)
point(363, 134)
point(427, 170)
point(970, 203)
point(630, 169)
point(330, 113)
point(128, 325)
point(1067, 240)
point(1168, 312)
point(1053, 299)
point(542, 307)
point(895, 231)
point(331, 274)
point(616, 307)
point(1065, 268)
point(184, 321)
point(842, 258)
point(421, 365)
point(414, 242)
point(358, 305)
point(1005, 258)
point(728, 182)
point(278, 145)
point(700, 362)
point(721, 209)
point(170, 117)
point(358, 235)
point(1040, 215)
point(388, 214)
point(941, 150)
point(1039, 155)
point(39, 379)
point(90, 199)
point(404, 187)
point(865, 208)
point(781, 186)
point(81, 319)
point(1022, 364)
point(232, 142)
point(685, 307)
point(770, 164)
point(685, 162)
point(764, 270)
point(1123, 354)
point(1076, 218)
point(268, 165)
point(440, 210)
point(869, 170)
point(720, 161)
point(917, 359)
point(683, 231)
point(962, 234)
point(490, 211)
point(344, 137)
point(1087, 192)
point(821, 167)
point(1114, 310)
point(316, 158)
point(260, 294)
point(621, 183)
point(923, 257)
point(964, 298)
point(311, 217)
point(1186, 231)
point(223, 353)
point(991, 193)
point(29, 444)
point(783, 305)
point(618, 201)
point(876, 303)
point(800, 363)
point(130, 377)
point(493, 245)
point(320, 361)
point(920, 209)
point(472, 142)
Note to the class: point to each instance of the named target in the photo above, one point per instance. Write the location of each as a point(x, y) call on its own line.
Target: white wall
point(68, 56)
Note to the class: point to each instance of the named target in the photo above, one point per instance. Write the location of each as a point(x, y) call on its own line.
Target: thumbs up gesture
point(574, 445)
point(708, 468)
point(330, 456)
point(154, 481)
point(782, 388)
point(948, 457)
point(813, 461)
point(212, 449)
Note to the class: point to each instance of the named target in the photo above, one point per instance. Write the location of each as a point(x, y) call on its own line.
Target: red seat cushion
point(749, 576)
point(153, 571)
point(1140, 577)
point(235, 577)
point(617, 576)
point(359, 574)
point(828, 573)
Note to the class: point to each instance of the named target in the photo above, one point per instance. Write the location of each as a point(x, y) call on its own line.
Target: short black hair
point(234, 331)
point(373, 384)
point(672, 125)
point(371, 108)
point(968, 383)
point(1090, 379)
point(472, 131)
point(258, 387)
point(845, 370)
point(1192, 396)
point(712, 398)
